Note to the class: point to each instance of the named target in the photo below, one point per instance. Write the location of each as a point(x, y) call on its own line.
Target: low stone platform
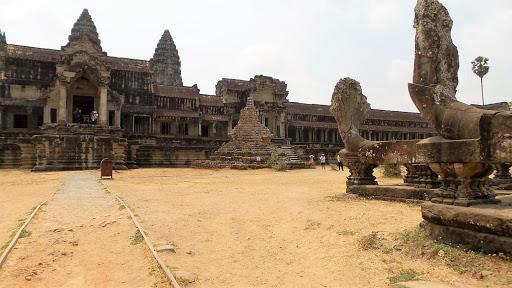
point(481, 228)
point(402, 193)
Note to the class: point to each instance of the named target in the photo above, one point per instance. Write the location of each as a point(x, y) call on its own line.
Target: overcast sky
point(309, 44)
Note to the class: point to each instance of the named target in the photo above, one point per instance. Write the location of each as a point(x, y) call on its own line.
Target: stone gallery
point(68, 109)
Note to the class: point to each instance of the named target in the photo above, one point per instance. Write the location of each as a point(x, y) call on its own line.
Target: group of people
point(78, 118)
point(323, 159)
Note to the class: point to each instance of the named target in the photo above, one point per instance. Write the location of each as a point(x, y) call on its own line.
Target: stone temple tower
point(166, 62)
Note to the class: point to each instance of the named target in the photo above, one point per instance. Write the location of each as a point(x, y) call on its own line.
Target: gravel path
point(80, 239)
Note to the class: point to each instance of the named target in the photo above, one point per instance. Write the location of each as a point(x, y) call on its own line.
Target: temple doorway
point(86, 105)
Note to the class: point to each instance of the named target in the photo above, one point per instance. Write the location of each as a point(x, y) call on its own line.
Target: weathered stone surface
point(420, 284)
point(492, 219)
point(393, 193)
point(468, 239)
point(84, 27)
point(350, 108)
point(69, 152)
point(166, 62)
point(435, 81)
point(471, 137)
point(247, 141)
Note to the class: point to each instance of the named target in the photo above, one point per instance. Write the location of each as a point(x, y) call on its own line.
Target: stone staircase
point(293, 160)
point(291, 156)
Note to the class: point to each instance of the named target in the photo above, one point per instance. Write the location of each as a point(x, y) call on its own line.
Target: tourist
point(322, 161)
point(312, 160)
point(94, 117)
point(77, 115)
point(340, 164)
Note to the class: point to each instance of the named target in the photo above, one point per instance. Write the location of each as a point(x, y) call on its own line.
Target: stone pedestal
point(360, 173)
point(421, 176)
point(464, 184)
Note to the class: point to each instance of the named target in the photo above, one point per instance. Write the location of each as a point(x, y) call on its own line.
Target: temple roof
point(307, 109)
point(388, 128)
point(211, 100)
point(84, 27)
point(126, 64)
point(323, 110)
point(51, 55)
point(310, 124)
point(32, 53)
point(395, 115)
point(234, 84)
point(177, 91)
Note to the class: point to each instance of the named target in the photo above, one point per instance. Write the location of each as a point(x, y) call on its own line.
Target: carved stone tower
point(83, 72)
point(166, 62)
point(3, 46)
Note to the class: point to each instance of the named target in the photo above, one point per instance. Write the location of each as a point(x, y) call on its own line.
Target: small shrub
point(405, 276)
point(312, 225)
point(370, 241)
point(280, 166)
point(346, 233)
point(25, 233)
point(137, 238)
point(270, 163)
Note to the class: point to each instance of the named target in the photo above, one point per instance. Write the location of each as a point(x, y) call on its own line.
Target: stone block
point(492, 219)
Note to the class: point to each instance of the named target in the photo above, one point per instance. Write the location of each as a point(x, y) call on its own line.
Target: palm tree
point(480, 68)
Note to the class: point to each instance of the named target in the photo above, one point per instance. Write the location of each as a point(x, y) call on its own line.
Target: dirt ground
point(258, 228)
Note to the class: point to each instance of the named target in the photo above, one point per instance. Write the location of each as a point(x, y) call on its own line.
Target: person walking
point(340, 164)
point(322, 161)
point(77, 115)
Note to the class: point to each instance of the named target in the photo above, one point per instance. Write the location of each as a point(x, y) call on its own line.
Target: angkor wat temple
point(145, 116)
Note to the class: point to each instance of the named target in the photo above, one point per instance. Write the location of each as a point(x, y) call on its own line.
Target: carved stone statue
point(462, 165)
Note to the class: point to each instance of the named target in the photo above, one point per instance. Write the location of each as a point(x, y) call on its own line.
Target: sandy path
point(262, 228)
point(80, 239)
point(20, 192)
point(231, 228)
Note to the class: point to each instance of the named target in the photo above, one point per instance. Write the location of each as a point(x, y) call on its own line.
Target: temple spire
point(166, 62)
point(3, 40)
point(84, 27)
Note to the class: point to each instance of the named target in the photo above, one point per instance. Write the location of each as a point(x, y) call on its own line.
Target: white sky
point(309, 44)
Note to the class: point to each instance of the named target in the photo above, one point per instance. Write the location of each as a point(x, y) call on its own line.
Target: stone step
point(291, 157)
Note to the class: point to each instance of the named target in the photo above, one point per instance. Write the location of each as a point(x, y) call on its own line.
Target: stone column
point(30, 119)
point(152, 125)
point(63, 99)
point(102, 121)
point(283, 129)
point(1, 118)
point(199, 132)
point(46, 114)
point(118, 118)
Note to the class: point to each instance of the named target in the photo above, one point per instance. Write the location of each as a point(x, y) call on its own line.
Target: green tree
point(480, 68)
